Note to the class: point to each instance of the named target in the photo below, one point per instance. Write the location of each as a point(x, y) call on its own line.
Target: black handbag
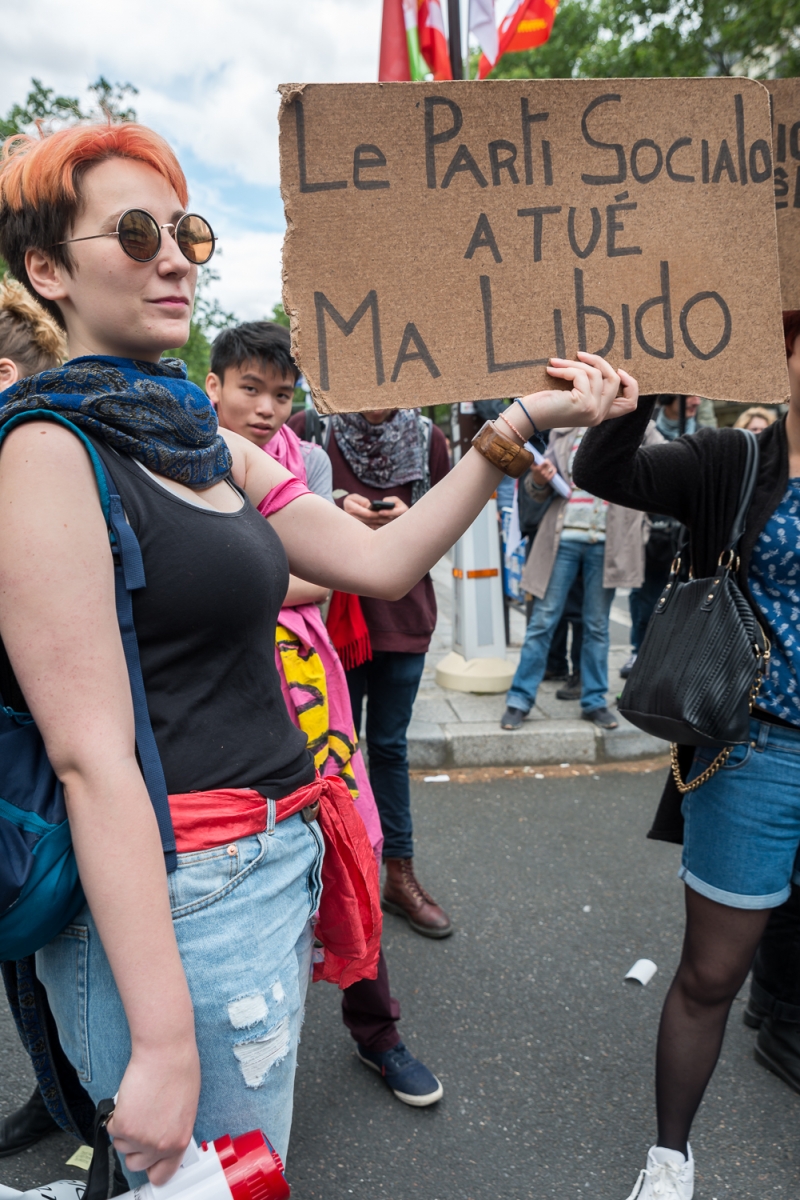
point(703, 655)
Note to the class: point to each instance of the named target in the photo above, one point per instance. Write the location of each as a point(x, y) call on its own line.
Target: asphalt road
point(545, 1053)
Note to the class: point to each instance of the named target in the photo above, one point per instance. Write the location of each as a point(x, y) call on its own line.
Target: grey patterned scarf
point(385, 455)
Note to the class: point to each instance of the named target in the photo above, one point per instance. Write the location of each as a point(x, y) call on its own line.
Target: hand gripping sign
point(444, 240)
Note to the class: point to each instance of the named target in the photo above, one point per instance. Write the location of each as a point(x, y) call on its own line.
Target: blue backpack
point(40, 891)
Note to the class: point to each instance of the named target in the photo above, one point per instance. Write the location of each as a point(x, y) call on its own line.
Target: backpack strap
point(427, 432)
point(128, 576)
point(420, 486)
point(312, 428)
point(316, 428)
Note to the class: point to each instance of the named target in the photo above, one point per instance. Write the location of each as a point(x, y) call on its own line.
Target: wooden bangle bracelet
point(501, 452)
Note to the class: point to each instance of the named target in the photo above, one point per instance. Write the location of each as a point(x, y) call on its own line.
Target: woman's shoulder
point(46, 447)
point(47, 468)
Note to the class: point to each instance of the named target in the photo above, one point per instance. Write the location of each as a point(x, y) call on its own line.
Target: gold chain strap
point(682, 787)
point(763, 664)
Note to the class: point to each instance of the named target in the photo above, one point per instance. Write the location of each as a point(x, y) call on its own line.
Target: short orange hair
point(40, 186)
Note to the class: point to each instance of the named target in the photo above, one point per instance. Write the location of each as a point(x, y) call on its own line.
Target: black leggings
point(718, 950)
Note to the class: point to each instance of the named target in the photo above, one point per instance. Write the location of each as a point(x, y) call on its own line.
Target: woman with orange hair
point(201, 968)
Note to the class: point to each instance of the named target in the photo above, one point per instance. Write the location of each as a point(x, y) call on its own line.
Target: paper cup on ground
point(642, 971)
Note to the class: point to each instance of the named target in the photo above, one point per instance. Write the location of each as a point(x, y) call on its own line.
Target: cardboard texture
point(785, 94)
point(444, 240)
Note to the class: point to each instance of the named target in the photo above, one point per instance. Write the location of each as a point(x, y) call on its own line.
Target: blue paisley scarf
point(149, 411)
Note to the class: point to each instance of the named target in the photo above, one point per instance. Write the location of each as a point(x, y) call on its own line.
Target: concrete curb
point(537, 743)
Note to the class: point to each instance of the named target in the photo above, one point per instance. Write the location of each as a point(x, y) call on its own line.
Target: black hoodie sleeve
point(613, 464)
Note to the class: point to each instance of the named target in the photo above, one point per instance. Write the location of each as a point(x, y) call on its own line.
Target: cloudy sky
point(207, 73)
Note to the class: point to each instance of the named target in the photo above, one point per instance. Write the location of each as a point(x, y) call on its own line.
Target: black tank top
point(205, 623)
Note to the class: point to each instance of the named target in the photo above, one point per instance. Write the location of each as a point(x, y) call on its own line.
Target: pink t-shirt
point(282, 494)
point(284, 447)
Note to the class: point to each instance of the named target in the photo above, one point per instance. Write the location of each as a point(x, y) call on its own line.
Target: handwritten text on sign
point(444, 240)
point(785, 96)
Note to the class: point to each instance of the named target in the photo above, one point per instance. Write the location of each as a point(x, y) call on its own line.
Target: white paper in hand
point(557, 483)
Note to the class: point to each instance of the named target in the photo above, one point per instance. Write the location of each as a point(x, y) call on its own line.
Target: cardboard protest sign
point(444, 240)
point(785, 95)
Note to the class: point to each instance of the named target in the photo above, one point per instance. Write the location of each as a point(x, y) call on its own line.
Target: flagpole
point(454, 27)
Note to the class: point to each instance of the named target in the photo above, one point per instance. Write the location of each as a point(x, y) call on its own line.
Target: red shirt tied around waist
point(349, 924)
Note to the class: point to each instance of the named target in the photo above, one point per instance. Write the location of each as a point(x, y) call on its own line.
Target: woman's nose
point(170, 259)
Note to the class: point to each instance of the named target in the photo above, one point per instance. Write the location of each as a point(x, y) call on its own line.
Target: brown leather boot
point(404, 895)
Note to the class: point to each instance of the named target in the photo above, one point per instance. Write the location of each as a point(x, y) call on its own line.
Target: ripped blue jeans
point(242, 920)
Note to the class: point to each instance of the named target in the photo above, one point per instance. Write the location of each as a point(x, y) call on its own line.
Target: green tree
point(618, 38)
point(278, 314)
point(43, 105)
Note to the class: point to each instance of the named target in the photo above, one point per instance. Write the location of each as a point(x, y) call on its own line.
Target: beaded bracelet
point(511, 425)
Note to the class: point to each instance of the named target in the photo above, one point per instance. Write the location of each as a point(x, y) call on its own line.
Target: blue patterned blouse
point(775, 583)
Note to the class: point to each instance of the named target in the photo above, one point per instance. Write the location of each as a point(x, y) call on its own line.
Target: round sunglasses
point(140, 236)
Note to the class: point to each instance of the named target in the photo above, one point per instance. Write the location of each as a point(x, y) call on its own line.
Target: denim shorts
point(742, 833)
point(242, 917)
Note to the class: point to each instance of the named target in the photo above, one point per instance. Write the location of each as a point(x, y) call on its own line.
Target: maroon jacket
point(408, 624)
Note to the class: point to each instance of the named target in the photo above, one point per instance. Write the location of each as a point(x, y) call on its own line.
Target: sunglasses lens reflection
point(139, 235)
point(195, 238)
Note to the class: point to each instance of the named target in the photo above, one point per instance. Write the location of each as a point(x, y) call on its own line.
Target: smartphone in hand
point(381, 505)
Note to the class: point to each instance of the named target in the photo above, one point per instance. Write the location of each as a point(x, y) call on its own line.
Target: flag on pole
point(413, 41)
point(393, 64)
point(419, 68)
point(433, 40)
point(527, 25)
point(483, 27)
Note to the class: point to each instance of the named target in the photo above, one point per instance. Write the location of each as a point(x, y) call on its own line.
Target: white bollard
point(477, 662)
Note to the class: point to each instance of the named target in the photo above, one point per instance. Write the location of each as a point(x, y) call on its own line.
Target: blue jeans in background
point(390, 681)
point(546, 614)
point(642, 601)
point(557, 660)
point(241, 914)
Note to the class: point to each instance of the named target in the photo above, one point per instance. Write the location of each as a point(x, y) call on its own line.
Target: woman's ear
point(9, 373)
point(45, 277)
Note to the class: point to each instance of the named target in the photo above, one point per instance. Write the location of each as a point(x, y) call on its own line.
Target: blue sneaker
point(409, 1079)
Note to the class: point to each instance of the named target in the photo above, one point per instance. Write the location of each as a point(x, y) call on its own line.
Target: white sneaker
point(667, 1176)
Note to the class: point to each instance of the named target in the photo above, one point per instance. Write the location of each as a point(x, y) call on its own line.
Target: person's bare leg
point(718, 948)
